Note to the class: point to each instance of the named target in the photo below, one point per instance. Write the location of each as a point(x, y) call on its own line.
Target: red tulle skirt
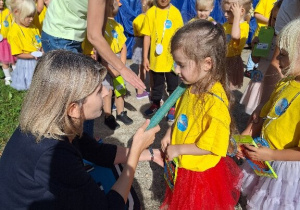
point(215, 188)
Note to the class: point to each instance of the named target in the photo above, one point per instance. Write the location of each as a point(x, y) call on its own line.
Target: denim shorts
point(54, 43)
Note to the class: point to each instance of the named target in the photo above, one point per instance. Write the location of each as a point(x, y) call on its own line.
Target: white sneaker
point(7, 81)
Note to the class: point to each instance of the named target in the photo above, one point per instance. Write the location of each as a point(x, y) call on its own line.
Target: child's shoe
point(111, 122)
point(113, 107)
point(247, 73)
point(142, 95)
point(7, 81)
point(151, 111)
point(124, 118)
point(171, 114)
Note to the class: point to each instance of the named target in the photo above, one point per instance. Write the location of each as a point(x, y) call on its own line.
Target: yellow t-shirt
point(24, 40)
point(137, 24)
point(264, 8)
point(114, 35)
point(206, 124)
point(5, 22)
point(196, 18)
point(233, 48)
point(154, 27)
point(284, 131)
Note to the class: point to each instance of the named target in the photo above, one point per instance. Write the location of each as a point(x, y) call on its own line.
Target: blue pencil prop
point(163, 110)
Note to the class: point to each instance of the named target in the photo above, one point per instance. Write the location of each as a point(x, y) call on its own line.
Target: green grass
point(11, 102)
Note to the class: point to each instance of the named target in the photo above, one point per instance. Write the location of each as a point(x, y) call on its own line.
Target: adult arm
point(95, 24)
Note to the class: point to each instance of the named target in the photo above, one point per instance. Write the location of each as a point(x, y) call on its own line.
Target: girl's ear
point(207, 64)
point(74, 110)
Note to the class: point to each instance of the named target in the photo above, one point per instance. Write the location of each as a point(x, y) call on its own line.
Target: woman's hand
point(142, 138)
point(261, 153)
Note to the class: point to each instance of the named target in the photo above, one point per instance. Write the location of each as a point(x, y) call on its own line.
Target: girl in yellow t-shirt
point(137, 50)
point(199, 137)
point(25, 42)
point(5, 53)
point(203, 9)
point(236, 30)
point(279, 125)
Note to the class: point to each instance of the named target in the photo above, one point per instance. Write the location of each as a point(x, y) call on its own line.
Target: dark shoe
point(124, 118)
point(247, 73)
point(111, 122)
point(151, 111)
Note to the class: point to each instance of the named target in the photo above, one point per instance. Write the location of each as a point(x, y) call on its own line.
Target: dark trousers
point(159, 80)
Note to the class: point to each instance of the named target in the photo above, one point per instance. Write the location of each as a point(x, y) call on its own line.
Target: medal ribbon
point(163, 34)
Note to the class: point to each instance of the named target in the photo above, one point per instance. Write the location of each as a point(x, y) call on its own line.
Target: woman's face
point(92, 107)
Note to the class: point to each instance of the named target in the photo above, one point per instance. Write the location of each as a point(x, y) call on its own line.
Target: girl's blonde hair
point(147, 5)
point(246, 4)
point(60, 78)
point(24, 7)
point(202, 4)
point(289, 40)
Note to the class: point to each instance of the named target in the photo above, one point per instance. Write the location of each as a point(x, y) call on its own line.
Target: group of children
point(205, 56)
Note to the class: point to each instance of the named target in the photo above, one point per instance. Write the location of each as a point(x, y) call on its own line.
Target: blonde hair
point(289, 40)
point(202, 4)
point(60, 78)
point(147, 5)
point(246, 4)
point(24, 7)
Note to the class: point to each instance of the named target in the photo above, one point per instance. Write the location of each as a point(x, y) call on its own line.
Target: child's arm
point(39, 6)
point(146, 46)
point(166, 139)
point(236, 30)
point(173, 151)
point(25, 56)
point(265, 153)
point(260, 18)
point(124, 54)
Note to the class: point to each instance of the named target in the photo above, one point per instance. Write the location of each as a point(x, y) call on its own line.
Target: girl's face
point(163, 4)
point(1, 4)
point(27, 21)
point(228, 13)
point(92, 107)
point(203, 13)
point(187, 69)
point(283, 59)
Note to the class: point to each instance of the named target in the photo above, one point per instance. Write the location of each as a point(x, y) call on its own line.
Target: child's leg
point(142, 76)
point(121, 114)
point(6, 72)
point(109, 119)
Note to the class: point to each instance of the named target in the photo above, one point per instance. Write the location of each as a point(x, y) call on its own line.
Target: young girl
point(137, 54)
point(252, 95)
point(236, 30)
point(203, 9)
point(279, 126)
point(25, 42)
point(114, 35)
point(199, 136)
point(5, 53)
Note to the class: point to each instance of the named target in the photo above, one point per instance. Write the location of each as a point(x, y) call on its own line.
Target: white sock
point(7, 74)
point(13, 67)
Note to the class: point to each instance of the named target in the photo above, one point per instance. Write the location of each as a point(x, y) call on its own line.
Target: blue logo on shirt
point(37, 38)
point(182, 122)
point(168, 24)
point(281, 106)
point(5, 23)
point(114, 34)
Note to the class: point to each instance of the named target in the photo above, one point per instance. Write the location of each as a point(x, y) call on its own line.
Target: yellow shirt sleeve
point(137, 25)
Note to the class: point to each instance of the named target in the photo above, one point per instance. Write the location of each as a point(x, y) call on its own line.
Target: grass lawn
point(11, 102)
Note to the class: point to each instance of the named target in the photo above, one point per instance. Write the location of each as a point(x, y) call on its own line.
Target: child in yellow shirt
point(114, 35)
point(236, 31)
point(161, 22)
point(203, 9)
point(6, 57)
point(25, 42)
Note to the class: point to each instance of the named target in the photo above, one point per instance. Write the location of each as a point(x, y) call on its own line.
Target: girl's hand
point(240, 154)
point(165, 143)
point(158, 157)
point(236, 10)
point(142, 138)
point(171, 152)
point(260, 154)
point(146, 64)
